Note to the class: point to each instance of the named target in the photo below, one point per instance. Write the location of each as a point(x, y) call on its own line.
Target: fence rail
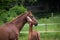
point(45, 28)
point(47, 24)
point(39, 31)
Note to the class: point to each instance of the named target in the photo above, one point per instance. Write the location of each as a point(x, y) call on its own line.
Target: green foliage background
point(10, 9)
point(6, 16)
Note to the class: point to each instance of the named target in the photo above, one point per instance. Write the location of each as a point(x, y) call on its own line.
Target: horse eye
point(31, 16)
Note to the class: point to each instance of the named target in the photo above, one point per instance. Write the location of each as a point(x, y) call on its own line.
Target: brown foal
point(33, 35)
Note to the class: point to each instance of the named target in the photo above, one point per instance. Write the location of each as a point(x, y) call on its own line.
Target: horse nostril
point(36, 24)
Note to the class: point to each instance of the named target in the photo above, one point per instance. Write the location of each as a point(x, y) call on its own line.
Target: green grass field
point(43, 36)
point(43, 27)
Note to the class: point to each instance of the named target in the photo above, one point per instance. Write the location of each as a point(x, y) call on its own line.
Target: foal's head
point(31, 19)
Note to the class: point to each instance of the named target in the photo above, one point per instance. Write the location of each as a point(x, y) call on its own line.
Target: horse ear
point(29, 12)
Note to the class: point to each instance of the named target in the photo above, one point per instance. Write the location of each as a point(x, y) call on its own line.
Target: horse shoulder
point(13, 32)
point(3, 33)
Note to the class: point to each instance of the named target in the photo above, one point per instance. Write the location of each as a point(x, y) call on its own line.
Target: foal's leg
point(38, 35)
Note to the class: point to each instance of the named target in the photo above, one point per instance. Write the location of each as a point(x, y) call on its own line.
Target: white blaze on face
point(29, 18)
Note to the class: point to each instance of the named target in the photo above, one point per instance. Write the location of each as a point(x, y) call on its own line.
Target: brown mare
point(33, 35)
point(10, 30)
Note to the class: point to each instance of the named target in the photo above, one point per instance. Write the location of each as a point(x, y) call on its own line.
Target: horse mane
point(18, 16)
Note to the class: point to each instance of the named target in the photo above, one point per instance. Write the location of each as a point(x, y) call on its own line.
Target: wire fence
point(49, 31)
point(45, 28)
point(40, 31)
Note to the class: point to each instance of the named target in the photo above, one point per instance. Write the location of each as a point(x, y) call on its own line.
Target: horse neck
point(31, 29)
point(19, 22)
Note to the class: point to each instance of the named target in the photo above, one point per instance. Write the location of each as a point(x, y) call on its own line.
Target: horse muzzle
point(36, 24)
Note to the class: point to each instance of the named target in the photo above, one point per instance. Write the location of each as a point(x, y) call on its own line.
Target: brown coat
point(33, 35)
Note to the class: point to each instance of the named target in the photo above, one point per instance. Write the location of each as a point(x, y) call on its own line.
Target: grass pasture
point(43, 35)
point(53, 27)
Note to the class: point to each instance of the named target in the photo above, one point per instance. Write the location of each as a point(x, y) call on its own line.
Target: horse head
point(31, 19)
